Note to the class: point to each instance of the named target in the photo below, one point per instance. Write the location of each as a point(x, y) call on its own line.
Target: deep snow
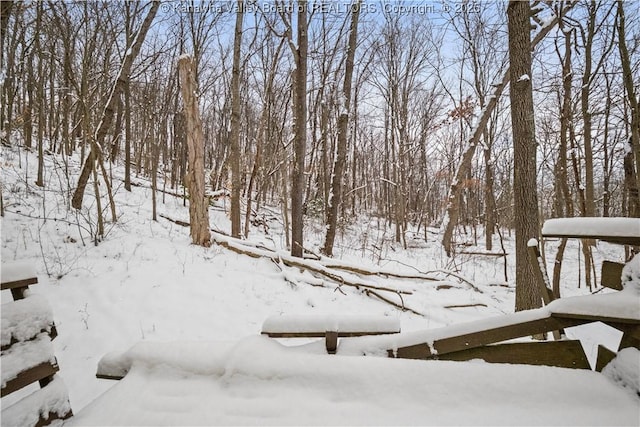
point(260, 382)
point(146, 283)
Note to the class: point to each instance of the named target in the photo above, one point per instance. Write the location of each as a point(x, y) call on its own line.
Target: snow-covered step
point(27, 362)
point(24, 319)
point(40, 407)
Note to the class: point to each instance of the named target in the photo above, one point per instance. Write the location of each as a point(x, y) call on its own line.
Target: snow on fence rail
point(616, 230)
point(329, 326)
point(343, 324)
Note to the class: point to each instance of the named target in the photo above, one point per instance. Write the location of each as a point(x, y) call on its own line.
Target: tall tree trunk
point(335, 196)
point(524, 150)
point(585, 90)
point(127, 137)
point(564, 193)
point(631, 169)
point(5, 87)
point(489, 198)
point(586, 114)
point(154, 176)
point(606, 160)
point(115, 141)
point(5, 10)
point(99, 235)
point(41, 124)
point(236, 179)
point(566, 117)
point(27, 114)
point(198, 204)
point(41, 100)
point(300, 141)
point(9, 82)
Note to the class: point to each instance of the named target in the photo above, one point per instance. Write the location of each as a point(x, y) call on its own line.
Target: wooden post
point(611, 276)
point(604, 357)
point(331, 341)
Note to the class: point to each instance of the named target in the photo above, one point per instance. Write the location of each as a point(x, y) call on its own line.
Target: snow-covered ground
point(259, 382)
point(146, 282)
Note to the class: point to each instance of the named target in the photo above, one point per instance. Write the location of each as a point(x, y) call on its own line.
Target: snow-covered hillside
point(146, 282)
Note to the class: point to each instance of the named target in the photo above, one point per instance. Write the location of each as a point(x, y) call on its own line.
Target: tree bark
point(566, 118)
point(198, 205)
point(561, 178)
point(631, 168)
point(5, 11)
point(335, 196)
point(524, 148)
point(236, 179)
point(300, 141)
point(127, 138)
point(586, 116)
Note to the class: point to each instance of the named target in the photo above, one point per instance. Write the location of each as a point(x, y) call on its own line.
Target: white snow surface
point(24, 319)
point(624, 305)
point(617, 227)
point(631, 276)
point(17, 270)
point(624, 369)
point(330, 322)
point(197, 315)
point(260, 382)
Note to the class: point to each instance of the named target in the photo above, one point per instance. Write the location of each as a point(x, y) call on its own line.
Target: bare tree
point(269, 57)
point(563, 193)
point(631, 168)
point(453, 199)
point(236, 182)
point(335, 196)
point(198, 204)
point(95, 155)
point(7, 59)
point(5, 11)
point(524, 150)
point(300, 138)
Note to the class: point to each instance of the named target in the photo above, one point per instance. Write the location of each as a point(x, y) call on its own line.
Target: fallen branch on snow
point(325, 269)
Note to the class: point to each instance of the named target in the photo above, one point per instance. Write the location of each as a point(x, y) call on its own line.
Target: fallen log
point(324, 270)
point(311, 266)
